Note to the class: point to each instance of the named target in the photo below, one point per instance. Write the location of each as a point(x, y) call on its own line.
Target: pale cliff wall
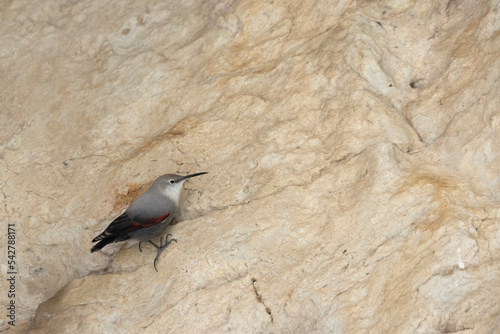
point(353, 151)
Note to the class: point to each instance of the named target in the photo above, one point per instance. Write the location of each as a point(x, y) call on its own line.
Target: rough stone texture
point(353, 151)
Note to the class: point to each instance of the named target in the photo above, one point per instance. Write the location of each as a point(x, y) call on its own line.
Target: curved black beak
point(190, 176)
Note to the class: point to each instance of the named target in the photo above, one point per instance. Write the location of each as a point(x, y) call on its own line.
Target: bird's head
point(171, 184)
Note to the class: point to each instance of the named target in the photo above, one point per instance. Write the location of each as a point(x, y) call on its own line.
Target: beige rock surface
point(353, 151)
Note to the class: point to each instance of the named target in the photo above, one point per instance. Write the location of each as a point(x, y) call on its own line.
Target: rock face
point(353, 151)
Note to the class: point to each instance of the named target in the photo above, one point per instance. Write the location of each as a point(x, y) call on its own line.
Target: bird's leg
point(140, 250)
point(160, 248)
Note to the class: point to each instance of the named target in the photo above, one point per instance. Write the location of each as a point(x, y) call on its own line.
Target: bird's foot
point(160, 248)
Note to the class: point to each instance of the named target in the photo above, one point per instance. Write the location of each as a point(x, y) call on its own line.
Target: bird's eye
point(172, 181)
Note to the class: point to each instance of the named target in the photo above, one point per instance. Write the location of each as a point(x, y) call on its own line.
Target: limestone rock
point(353, 151)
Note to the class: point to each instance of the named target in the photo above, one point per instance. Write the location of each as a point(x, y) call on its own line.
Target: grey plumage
point(148, 215)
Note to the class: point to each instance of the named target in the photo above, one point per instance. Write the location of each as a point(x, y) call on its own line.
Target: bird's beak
point(190, 176)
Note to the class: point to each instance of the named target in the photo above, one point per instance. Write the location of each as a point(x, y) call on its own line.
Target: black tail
point(106, 241)
point(101, 244)
point(115, 232)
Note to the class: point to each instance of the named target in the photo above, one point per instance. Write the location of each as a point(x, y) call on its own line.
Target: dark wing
point(124, 224)
point(119, 229)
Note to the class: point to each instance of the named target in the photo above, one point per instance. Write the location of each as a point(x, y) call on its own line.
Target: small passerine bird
point(147, 216)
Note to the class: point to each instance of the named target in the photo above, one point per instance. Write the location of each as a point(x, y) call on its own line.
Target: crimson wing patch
point(124, 224)
point(137, 225)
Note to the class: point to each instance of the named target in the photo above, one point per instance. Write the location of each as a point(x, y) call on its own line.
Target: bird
point(147, 216)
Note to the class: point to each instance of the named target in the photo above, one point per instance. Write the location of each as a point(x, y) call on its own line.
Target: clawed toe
point(167, 242)
point(160, 248)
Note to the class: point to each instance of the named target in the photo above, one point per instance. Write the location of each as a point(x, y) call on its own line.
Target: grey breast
point(151, 205)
